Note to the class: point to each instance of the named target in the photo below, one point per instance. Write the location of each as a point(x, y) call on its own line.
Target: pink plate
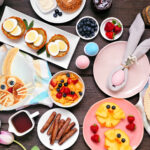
point(129, 109)
point(110, 57)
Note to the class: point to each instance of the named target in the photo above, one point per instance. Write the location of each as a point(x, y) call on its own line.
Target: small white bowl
point(103, 32)
point(96, 33)
point(73, 104)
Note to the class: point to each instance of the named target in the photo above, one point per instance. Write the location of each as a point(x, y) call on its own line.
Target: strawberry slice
point(59, 95)
point(75, 96)
point(53, 83)
point(62, 89)
point(69, 81)
point(75, 81)
point(67, 90)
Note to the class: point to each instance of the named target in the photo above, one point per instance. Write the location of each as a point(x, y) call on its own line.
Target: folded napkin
point(42, 78)
point(131, 55)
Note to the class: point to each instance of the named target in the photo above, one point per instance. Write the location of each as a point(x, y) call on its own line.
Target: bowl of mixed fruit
point(66, 89)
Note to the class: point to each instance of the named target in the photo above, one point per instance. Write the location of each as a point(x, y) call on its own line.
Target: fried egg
point(31, 36)
point(16, 31)
point(53, 48)
point(39, 40)
point(62, 45)
point(10, 24)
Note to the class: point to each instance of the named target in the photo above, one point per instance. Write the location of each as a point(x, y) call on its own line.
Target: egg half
point(10, 24)
point(39, 40)
point(31, 36)
point(53, 48)
point(62, 45)
point(16, 31)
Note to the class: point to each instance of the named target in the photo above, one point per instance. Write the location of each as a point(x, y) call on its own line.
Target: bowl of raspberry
point(111, 29)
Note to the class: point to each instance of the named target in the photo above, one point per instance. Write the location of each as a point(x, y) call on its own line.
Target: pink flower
point(6, 138)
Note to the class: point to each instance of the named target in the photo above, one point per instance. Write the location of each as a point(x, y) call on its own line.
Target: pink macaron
point(82, 62)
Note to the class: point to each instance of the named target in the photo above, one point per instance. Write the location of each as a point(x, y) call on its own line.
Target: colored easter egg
point(82, 62)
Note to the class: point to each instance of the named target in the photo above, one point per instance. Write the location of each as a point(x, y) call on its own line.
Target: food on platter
point(61, 130)
point(147, 102)
point(12, 89)
point(69, 6)
point(58, 46)
point(66, 88)
point(87, 28)
point(101, 5)
point(116, 139)
point(36, 38)
point(82, 62)
point(131, 125)
point(46, 6)
point(146, 15)
point(57, 13)
point(13, 28)
point(109, 114)
point(91, 49)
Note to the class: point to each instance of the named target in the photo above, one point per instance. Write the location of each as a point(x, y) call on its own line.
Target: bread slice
point(59, 37)
point(148, 14)
point(43, 33)
point(22, 26)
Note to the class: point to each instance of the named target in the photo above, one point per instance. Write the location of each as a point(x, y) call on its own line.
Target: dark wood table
point(125, 10)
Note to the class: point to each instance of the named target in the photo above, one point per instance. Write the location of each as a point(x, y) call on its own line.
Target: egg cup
point(21, 25)
point(43, 33)
point(59, 37)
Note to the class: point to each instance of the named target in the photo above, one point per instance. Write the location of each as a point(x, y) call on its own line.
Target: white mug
point(31, 116)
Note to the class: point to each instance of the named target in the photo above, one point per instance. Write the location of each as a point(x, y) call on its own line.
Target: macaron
point(82, 62)
point(91, 49)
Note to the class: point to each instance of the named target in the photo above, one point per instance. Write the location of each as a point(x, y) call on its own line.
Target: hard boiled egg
point(31, 36)
point(53, 48)
point(10, 24)
point(16, 31)
point(39, 40)
point(62, 45)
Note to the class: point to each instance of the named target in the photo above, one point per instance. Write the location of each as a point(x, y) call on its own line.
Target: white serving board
point(51, 30)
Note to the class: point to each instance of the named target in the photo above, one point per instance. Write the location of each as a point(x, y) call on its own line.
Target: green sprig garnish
point(41, 50)
point(26, 24)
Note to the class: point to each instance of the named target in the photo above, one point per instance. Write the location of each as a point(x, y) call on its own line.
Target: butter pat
point(46, 6)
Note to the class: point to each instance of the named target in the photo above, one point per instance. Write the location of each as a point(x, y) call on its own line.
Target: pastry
point(146, 15)
point(13, 28)
point(109, 114)
point(69, 6)
point(36, 38)
point(58, 46)
point(116, 139)
point(147, 102)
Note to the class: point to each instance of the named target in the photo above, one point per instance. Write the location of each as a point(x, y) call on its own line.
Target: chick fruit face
point(117, 139)
point(109, 114)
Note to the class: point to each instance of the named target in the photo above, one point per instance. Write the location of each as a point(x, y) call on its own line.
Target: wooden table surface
point(125, 10)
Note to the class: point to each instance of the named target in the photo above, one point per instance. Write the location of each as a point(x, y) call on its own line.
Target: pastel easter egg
point(82, 62)
point(118, 78)
point(91, 49)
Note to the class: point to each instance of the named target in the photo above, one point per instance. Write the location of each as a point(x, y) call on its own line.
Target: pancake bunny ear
point(6, 68)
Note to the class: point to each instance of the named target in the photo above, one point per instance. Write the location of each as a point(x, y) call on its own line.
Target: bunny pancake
point(13, 28)
point(109, 114)
point(116, 139)
point(69, 6)
point(58, 46)
point(36, 38)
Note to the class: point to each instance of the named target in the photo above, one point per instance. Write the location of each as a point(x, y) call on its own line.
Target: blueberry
point(80, 93)
point(66, 84)
point(79, 26)
point(58, 89)
point(64, 95)
point(108, 106)
point(118, 135)
point(68, 75)
point(89, 28)
point(92, 25)
point(80, 30)
point(62, 81)
point(88, 23)
point(92, 30)
point(113, 107)
point(60, 85)
point(3, 87)
point(11, 82)
point(60, 13)
point(123, 140)
point(86, 36)
point(56, 11)
point(95, 29)
point(72, 93)
point(55, 15)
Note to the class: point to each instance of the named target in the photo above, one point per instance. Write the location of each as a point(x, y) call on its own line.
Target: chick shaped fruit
point(109, 114)
point(116, 139)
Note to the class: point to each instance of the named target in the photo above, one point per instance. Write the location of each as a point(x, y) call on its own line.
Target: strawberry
point(94, 128)
point(67, 90)
point(75, 96)
point(75, 81)
point(95, 138)
point(69, 80)
point(59, 95)
point(131, 126)
point(109, 27)
point(62, 89)
point(117, 29)
point(131, 119)
point(53, 83)
point(110, 35)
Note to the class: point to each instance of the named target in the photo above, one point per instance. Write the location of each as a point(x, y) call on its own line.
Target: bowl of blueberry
point(87, 28)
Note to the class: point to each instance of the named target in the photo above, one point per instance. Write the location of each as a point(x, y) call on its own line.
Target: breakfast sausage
point(62, 130)
point(71, 125)
point(55, 129)
point(61, 123)
point(49, 132)
point(48, 122)
point(67, 136)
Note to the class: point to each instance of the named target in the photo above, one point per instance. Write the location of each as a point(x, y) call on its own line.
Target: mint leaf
point(35, 148)
point(41, 50)
point(26, 23)
point(31, 25)
point(114, 21)
point(119, 25)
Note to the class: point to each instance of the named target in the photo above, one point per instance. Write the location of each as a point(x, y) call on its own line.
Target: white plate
point(49, 16)
point(22, 69)
point(51, 30)
point(45, 139)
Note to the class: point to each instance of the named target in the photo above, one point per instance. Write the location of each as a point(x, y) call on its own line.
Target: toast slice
point(43, 33)
point(22, 26)
point(59, 37)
